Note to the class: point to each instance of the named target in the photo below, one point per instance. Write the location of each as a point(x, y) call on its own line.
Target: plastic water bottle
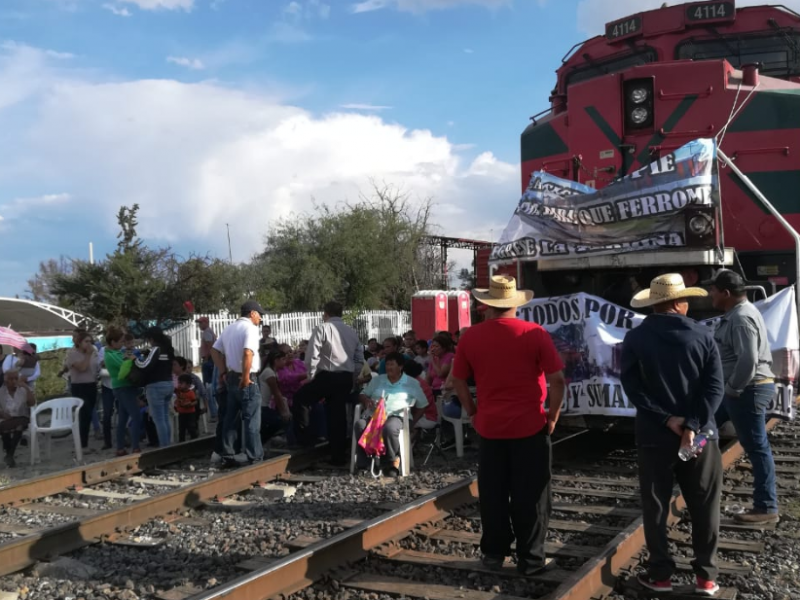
point(700, 441)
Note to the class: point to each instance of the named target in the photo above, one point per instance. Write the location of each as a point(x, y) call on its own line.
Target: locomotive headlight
point(639, 95)
point(700, 225)
point(639, 104)
point(639, 115)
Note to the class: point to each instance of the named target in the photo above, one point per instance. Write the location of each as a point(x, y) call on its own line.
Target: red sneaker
point(704, 587)
point(655, 586)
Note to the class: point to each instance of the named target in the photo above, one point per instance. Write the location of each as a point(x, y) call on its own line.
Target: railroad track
point(419, 541)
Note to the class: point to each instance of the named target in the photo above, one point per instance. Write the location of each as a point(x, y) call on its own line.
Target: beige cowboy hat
point(502, 293)
point(665, 288)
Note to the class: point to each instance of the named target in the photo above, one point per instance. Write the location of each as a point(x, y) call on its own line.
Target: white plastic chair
point(458, 425)
point(64, 417)
point(406, 456)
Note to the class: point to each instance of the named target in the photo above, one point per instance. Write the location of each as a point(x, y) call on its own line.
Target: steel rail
point(300, 569)
point(54, 483)
point(21, 553)
point(599, 575)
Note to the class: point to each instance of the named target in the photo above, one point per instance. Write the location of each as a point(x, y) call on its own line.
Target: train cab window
point(778, 52)
point(593, 69)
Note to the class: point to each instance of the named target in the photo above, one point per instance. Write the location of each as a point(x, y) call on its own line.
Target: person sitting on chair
point(400, 392)
point(16, 398)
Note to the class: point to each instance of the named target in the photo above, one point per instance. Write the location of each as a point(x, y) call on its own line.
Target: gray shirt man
point(334, 346)
point(744, 348)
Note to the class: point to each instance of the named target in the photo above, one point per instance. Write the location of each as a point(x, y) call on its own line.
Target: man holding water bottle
point(672, 373)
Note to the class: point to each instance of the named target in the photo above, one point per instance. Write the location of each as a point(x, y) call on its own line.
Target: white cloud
point(21, 206)
point(594, 14)
point(419, 6)
point(116, 10)
point(195, 64)
point(286, 33)
point(59, 55)
point(294, 9)
point(310, 9)
point(357, 106)
point(186, 5)
point(469, 51)
point(195, 156)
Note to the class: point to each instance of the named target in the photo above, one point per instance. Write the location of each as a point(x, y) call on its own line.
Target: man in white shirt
point(334, 358)
point(235, 354)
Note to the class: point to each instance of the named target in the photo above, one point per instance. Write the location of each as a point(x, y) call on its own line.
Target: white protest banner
point(649, 209)
point(588, 333)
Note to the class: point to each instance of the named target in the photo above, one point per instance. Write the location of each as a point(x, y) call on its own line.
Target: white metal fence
point(291, 328)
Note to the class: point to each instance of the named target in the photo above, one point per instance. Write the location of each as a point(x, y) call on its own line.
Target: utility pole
point(230, 253)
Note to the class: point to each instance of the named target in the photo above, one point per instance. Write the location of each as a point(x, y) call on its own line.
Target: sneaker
point(756, 517)
point(122, 453)
point(654, 586)
point(493, 562)
point(703, 587)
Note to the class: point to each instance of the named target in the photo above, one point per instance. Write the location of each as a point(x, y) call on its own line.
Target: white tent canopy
point(28, 317)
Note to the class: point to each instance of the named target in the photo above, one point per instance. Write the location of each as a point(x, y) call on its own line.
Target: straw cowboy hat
point(665, 288)
point(502, 293)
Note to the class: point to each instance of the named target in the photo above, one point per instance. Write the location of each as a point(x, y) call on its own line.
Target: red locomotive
point(655, 81)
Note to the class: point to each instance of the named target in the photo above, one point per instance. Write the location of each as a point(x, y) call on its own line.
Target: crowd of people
point(265, 391)
point(684, 378)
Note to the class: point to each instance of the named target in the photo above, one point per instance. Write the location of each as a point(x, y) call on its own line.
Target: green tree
point(139, 285)
point(366, 254)
point(41, 284)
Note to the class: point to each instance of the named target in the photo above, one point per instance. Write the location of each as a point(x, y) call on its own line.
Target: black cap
point(250, 306)
point(725, 279)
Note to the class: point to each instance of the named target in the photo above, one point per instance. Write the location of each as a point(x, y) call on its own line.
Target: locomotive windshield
point(613, 65)
point(778, 53)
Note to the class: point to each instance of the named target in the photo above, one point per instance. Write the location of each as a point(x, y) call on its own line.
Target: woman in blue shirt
point(400, 392)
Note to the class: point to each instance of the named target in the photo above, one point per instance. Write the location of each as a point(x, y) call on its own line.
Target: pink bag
point(372, 438)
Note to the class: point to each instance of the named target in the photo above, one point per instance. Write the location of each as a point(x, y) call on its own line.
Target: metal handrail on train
point(778, 216)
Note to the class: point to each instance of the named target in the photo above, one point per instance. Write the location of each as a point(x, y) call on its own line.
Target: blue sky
point(208, 112)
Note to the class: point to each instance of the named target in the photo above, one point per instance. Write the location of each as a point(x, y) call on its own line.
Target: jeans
point(246, 401)
point(700, 480)
point(159, 398)
point(514, 487)
point(95, 419)
point(207, 370)
point(107, 394)
point(748, 414)
point(211, 395)
point(88, 393)
point(128, 411)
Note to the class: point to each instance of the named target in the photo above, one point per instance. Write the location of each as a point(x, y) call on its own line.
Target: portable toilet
point(428, 313)
point(458, 310)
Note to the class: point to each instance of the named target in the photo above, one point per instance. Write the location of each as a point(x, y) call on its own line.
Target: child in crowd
point(431, 417)
point(421, 356)
point(186, 407)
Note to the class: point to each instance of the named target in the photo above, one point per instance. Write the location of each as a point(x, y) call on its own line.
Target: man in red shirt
point(512, 361)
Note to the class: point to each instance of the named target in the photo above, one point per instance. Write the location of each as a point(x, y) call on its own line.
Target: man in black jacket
point(671, 372)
